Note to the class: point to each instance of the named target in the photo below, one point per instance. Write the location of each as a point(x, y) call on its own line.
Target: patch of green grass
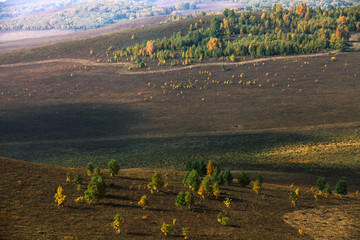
point(325, 152)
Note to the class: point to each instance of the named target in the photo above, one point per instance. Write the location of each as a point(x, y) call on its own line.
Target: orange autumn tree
point(150, 47)
point(301, 9)
point(213, 43)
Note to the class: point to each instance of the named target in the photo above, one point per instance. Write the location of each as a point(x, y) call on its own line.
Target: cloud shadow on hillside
point(66, 121)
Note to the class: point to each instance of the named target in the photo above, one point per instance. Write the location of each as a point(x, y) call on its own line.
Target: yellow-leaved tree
point(118, 222)
point(60, 196)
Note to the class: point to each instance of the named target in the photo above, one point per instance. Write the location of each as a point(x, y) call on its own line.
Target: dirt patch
point(340, 222)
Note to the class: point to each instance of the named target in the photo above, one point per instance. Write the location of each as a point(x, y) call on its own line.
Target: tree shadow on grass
point(118, 197)
point(117, 205)
point(139, 234)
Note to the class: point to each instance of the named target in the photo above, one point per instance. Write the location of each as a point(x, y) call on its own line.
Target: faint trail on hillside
point(227, 63)
point(66, 60)
point(125, 71)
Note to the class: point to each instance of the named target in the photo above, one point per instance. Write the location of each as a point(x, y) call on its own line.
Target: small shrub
point(341, 187)
point(77, 179)
point(244, 179)
point(113, 167)
point(185, 232)
point(333, 58)
point(90, 168)
point(157, 182)
point(166, 228)
point(221, 219)
point(293, 197)
point(223, 67)
point(60, 196)
point(320, 184)
point(257, 186)
point(68, 177)
point(118, 222)
point(180, 200)
point(327, 190)
point(79, 199)
point(144, 201)
point(227, 202)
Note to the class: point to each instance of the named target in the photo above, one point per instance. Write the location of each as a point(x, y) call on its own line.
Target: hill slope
point(27, 193)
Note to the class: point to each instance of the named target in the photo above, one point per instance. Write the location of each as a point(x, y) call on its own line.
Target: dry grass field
point(28, 209)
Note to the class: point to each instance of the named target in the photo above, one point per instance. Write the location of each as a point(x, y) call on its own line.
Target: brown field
point(299, 92)
point(28, 210)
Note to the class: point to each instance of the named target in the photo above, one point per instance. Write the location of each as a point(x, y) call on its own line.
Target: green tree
point(157, 182)
point(189, 199)
point(244, 179)
point(227, 177)
point(341, 187)
point(217, 177)
point(193, 180)
point(215, 30)
point(180, 200)
point(96, 190)
point(113, 167)
point(320, 184)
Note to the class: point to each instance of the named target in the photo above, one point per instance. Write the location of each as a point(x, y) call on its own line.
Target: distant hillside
point(85, 14)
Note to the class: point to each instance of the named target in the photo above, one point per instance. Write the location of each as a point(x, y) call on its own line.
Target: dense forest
point(87, 14)
point(275, 32)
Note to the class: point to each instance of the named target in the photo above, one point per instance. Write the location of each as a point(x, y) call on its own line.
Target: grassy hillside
point(100, 112)
point(293, 113)
point(27, 193)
